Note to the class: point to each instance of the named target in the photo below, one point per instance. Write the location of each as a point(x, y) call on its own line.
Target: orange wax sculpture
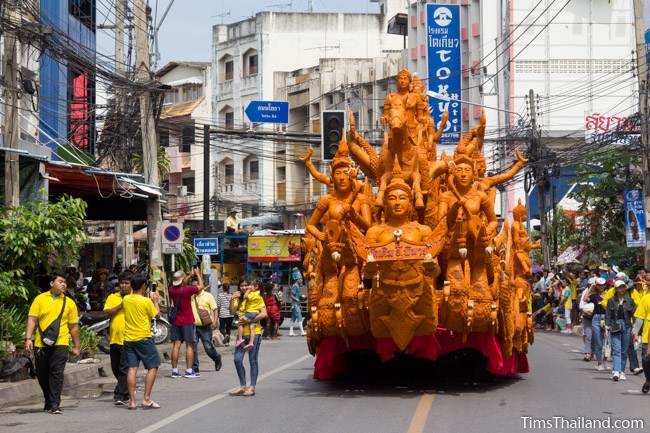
point(419, 266)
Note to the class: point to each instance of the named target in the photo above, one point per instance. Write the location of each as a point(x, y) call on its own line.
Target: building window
point(163, 136)
point(252, 64)
point(192, 92)
point(281, 174)
point(187, 138)
point(80, 99)
point(229, 174)
point(254, 170)
point(84, 11)
point(171, 97)
point(229, 68)
point(229, 120)
point(189, 182)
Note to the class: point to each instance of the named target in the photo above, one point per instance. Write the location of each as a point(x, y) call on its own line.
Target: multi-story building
point(245, 56)
point(67, 89)
point(186, 108)
point(578, 58)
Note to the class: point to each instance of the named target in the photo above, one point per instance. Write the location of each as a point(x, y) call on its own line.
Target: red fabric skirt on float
point(328, 359)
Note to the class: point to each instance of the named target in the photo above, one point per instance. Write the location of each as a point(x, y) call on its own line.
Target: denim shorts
point(142, 350)
point(186, 333)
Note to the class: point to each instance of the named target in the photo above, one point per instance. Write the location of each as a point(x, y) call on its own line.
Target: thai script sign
point(444, 64)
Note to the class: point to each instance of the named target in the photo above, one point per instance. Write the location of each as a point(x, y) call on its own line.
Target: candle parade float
point(418, 267)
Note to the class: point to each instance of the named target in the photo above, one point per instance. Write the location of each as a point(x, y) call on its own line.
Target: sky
point(186, 33)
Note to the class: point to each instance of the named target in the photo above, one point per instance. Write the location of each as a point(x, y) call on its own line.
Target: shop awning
point(110, 196)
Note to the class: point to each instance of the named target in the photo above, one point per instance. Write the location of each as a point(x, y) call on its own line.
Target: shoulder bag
point(204, 315)
point(50, 334)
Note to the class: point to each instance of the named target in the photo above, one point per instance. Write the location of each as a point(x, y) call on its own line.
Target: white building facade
point(245, 56)
point(186, 109)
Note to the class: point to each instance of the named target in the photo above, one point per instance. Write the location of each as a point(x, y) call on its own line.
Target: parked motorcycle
point(160, 328)
point(99, 324)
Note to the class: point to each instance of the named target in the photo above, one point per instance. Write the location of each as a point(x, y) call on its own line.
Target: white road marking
point(188, 410)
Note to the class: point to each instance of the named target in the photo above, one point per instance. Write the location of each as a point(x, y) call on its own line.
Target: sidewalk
point(75, 374)
point(15, 393)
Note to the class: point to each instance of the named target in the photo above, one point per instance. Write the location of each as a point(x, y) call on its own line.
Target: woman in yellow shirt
point(250, 294)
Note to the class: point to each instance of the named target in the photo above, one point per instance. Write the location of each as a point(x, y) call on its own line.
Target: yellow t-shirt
point(116, 330)
point(609, 294)
point(46, 309)
point(138, 312)
point(643, 312)
point(252, 303)
point(206, 301)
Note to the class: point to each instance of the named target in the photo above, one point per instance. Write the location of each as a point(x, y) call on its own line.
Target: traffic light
point(332, 125)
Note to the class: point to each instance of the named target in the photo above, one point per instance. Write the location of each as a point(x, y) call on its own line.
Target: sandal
point(249, 392)
point(133, 407)
point(238, 392)
point(151, 405)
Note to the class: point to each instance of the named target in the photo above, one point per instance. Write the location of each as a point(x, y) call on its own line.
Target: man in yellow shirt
point(113, 310)
point(642, 315)
point(55, 317)
point(138, 343)
point(204, 301)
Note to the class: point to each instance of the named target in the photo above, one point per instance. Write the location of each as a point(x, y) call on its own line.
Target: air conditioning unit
point(182, 190)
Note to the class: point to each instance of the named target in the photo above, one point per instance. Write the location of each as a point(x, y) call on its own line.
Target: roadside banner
point(274, 248)
point(634, 218)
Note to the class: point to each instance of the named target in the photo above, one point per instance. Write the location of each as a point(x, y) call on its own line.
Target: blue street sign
point(268, 112)
point(206, 245)
point(444, 66)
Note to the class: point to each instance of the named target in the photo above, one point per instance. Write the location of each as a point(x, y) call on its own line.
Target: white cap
point(621, 276)
point(619, 283)
point(601, 281)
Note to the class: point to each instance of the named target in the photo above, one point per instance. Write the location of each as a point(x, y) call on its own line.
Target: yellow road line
point(421, 413)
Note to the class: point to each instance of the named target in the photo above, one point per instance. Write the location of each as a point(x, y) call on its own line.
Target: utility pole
point(12, 174)
point(540, 178)
point(148, 133)
point(642, 76)
point(123, 245)
point(206, 178)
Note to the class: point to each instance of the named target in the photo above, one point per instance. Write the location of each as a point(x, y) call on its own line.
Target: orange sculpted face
point(464, 174)
point(403, 82)
point(398, 202)
point(341, 179)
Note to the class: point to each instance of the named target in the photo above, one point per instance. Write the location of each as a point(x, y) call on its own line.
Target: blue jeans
point(204, 333)
point(587, 335)
point(252, 359)
point(597, 335)
point(620, 344)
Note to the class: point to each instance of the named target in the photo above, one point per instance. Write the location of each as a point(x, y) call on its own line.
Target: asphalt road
point(404, 397)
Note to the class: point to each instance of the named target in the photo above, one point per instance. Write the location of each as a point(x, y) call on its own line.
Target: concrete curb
point(74, 375)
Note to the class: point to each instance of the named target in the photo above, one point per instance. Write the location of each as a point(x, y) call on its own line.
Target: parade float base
point(329, 358)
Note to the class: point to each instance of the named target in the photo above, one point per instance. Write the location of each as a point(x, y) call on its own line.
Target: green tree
point(600, 221)
point(34, 235)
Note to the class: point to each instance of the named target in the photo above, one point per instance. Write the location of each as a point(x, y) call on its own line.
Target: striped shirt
point(223, 303)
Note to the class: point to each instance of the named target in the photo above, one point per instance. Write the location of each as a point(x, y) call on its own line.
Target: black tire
point(161, 332)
